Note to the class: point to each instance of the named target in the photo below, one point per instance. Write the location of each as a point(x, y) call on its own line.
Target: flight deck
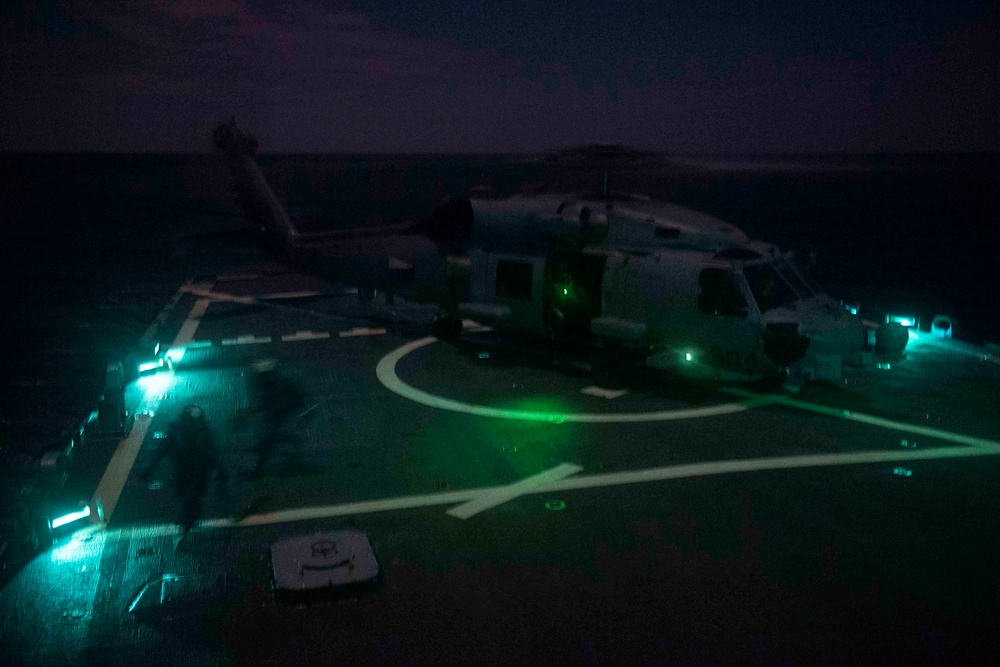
point(519, 512)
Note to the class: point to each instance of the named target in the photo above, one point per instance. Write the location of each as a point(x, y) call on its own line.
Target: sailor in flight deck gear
point(279, 400)
point(191, 446)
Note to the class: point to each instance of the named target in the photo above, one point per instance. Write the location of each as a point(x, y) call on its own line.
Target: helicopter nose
point(783, 344)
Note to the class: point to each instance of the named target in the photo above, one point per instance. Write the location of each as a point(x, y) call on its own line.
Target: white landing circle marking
point(386, 371)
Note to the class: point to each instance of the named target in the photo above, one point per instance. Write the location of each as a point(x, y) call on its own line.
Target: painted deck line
point(386, 372)
point(958, 438)
point(759, 465)
point(110, 487)
point(305, 335)
point(186, 333)
point(498, 496)
point(154, 327)
point(362, 331)
point(348, 509)
point(248, 339)
point(604, 393)
point(477, 495)
point(991, 446)
point(209, 295)
point(119, 468)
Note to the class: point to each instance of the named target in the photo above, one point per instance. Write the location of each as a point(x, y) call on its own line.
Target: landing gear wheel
point(447, 328)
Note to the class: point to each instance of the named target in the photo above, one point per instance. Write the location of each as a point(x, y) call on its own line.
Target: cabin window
point(768, 288)
point(514, 280)
point(720, 295)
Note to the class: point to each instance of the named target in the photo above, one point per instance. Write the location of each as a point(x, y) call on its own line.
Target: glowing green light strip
point(71, 517)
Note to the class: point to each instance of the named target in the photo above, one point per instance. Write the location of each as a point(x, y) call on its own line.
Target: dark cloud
point(388, 76)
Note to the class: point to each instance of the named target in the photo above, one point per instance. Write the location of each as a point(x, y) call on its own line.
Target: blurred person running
point(279, 401)
point(191, 446)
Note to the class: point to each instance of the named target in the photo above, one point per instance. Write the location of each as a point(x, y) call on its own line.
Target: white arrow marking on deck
point(502, 494)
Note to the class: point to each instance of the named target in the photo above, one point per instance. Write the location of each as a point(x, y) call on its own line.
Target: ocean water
point(93, 245)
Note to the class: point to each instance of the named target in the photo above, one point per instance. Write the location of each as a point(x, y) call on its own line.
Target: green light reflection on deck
point(154, 385)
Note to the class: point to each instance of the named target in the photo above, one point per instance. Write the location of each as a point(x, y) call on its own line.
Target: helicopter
point(633, 282)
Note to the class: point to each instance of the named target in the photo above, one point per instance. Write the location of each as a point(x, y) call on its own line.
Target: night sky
point(725, 76)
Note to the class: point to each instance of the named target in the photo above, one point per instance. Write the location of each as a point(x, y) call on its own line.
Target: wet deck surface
point(520, 516)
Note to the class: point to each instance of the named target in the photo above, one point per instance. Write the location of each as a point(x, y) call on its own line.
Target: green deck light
point(147, 366)
point(905, 320)
point(688, 356)
point(155, 384)
point(902, 472)
point(65, 519)
point(555, 505)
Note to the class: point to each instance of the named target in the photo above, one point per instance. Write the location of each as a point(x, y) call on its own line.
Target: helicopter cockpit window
point(769, 289)
point(720, 294)
point(514, 280)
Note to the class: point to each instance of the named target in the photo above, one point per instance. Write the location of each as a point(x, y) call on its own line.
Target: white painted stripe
point(604, 393)
point(248, 339)
point(305, 335)
point(603, 480)
point(117, 472)
point(196, 344)
point(186, 334)
point(194, 288)
point(362, 331)
point(113, 481)
point(386, 372)
point(758, 465)
point(349, 509)
point(890, 424)
point(472, 326)
point(498, 496)
point(154, 327)
point(221, 296)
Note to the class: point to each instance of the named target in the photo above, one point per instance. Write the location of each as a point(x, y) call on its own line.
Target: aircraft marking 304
point(634, 282)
